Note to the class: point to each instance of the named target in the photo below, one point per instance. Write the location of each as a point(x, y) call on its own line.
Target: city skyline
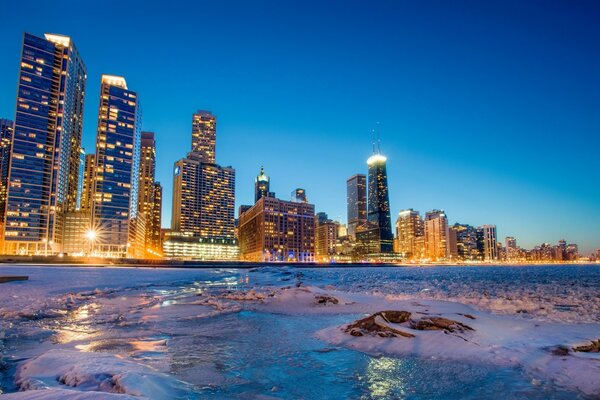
point(521, 202)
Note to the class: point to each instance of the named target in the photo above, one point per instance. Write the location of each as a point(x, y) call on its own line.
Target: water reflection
point(386, 377)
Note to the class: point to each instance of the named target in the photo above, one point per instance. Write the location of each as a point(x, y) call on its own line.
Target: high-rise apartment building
point(326, 236)
point(378, 207)
point(115, 203)
point(409, 233)
point(203, 198)
point(277, 230)
point(490, 243)
point(356, 187)
point(87, 191)
point(203, 195)
point(150, 193)
point(512, 251)
point(466, 242)
point(261, 185)
point(44, 167)
point(204, 136)
point(436, 235)
point(6, 138)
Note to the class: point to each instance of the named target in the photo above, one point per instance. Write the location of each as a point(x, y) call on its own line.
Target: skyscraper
point(149, 193)
point(436, 235)
point(204, 136)
point(326, 235)
point(378, 208)
point(87, 191)
point(356, 187)
point(116, 181)
point(44, 167)
point(203, 193)
point(6, 138)
point(512, 251)
point(261, 185)
point(409, 234)
point(490, 243)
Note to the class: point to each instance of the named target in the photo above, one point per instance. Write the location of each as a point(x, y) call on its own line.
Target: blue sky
point(488, 110)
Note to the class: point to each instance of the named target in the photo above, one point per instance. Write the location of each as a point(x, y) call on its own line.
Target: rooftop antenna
point(378, 139)
point(373, 139)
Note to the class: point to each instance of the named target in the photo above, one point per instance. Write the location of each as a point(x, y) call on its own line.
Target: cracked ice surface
point(277, 332)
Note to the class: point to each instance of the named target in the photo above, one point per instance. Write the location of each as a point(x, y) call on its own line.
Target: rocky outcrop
point(325, 299)
point(378, 324)
point(594, 347)
point(438, 324)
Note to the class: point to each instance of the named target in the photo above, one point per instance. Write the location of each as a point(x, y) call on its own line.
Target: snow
point(72, 332)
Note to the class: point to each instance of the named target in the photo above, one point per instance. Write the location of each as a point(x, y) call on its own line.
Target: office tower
point(278, 230)
point(326, 237)
point(356, 187)
point(203, 198)
point(115, 198)
point(572, 251)
point(204, 136)
point(436, 235)
point(87, 192)
point(6, 138)
point(261, 185)
point(452, 243)
point(409, 228)
point(148, 195)
point(512, 252)
point(490, 243)
point(378, 207)
point(46, 141)
point(299, 196)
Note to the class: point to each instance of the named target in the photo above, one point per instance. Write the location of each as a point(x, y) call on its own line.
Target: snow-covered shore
point(116, 331)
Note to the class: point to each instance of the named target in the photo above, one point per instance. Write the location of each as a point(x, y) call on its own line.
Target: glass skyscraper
point(6, 137)
point(356, 187)
point(44, 168)
point(261, 185)
point(378, 209)
point(115, 199)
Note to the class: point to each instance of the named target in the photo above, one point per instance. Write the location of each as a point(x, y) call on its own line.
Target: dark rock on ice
point(377, 324)
point(594, 347)
point(439, 323)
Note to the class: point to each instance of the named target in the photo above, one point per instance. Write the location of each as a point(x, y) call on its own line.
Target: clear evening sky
point(489, 110)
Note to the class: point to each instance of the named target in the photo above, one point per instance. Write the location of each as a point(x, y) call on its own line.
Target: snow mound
point(63, 394)
point(96, 372)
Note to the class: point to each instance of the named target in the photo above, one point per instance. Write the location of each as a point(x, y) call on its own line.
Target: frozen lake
point(278, 332)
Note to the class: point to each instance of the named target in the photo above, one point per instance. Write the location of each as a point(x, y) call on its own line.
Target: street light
point(91, 236)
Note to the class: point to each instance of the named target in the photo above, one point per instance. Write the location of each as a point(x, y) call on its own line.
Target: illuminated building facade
point(204, 136)
point(187, 246)
point(115, 198)
point(6, 137)
point(42, 182)
point(512, 251)
point(75, 240)
point(409, 233)
point(467, 242)
point(277, 230)
point(150, 194)
point(490, 243)
point(326, 237)
point(356, 187)
point(203, 193)
point(203, 198)
point(378, 207)
point(261, 185)
point(436, 235)
point(87, 191)
point(80, 177)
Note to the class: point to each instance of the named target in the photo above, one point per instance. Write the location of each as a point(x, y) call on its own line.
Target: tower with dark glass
point(43, 176)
